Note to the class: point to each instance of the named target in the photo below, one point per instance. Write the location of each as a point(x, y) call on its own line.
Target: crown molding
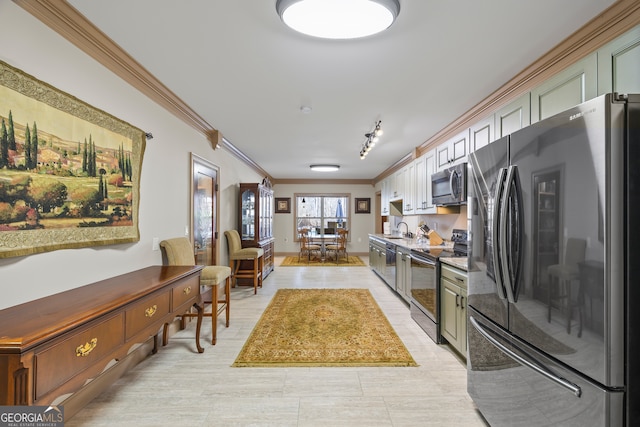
point(324, 181)
point(72, 25)
point(67, 21)
point(619, 18)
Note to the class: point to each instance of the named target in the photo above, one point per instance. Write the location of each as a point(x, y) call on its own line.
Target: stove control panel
point(459, 236)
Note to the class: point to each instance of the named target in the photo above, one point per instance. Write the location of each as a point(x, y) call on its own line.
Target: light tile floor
point(179, 387)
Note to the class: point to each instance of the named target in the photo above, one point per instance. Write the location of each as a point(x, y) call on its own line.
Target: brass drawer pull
point(86, 348)
point(151, 310)
point(187, 290)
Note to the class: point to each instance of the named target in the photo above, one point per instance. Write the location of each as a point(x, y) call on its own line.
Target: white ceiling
point(240, 68)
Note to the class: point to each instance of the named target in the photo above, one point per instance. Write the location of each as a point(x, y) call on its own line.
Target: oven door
point(425, 299)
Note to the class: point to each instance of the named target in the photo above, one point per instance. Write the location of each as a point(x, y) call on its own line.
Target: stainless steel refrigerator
point(554, 226)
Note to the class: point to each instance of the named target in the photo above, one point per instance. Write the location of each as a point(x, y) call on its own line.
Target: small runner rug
point(295, 261)
point(323, 327)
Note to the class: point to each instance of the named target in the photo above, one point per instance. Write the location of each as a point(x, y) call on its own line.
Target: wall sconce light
point(371, 139)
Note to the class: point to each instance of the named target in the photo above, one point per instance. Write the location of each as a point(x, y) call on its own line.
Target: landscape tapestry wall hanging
point(69, 173)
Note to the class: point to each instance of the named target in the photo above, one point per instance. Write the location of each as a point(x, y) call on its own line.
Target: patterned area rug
point(294, 261)
point(323, 327)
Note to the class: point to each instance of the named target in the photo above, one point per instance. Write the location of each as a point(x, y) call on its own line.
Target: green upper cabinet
point(513, 116)
point(570, 87)
point(481, 134)
point(619, 64)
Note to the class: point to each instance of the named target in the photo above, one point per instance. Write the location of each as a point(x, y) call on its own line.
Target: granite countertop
point(410, 243)
point(458, 262)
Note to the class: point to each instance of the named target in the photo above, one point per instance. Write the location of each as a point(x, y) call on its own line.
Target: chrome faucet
point(407, 234)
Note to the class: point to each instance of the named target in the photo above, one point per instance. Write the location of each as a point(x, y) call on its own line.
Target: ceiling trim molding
point(67, 21)
point(72, 25)
point(610, 24)
point(323, 181)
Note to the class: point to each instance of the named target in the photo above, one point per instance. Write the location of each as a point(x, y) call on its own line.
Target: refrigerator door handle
point(495, 233)
point(506, 251)
point(520, 234)
point(534, 365)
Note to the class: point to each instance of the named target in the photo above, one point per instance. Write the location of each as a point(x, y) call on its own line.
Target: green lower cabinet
point(453, 308)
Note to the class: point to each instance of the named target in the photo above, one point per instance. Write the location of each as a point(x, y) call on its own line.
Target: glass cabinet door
point(248, 199)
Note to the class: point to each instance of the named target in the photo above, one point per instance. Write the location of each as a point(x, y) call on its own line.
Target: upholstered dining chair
point(238, 254)
point(178, 251)
point(340, 245)
point(306, 247)
point(562, 275)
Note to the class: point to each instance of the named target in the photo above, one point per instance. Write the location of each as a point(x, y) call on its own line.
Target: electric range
point(425, 282)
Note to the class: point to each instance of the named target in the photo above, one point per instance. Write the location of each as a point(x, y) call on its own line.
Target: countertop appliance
point(449, 186)
point(549, 349)
point(425, 282)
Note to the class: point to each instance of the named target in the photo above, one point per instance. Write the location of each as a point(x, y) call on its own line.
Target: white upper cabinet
point(619, 64)
point(453, 151)
point(397, 185)
point(384, 197)
point(408, 194)
point(575, 85)
point(481, 134)
point(425, 166)
point(513, 116)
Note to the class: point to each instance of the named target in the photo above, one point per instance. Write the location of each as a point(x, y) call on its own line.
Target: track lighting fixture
point(371, 139)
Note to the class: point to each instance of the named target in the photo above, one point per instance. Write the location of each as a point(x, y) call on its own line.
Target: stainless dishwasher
point(390, 267)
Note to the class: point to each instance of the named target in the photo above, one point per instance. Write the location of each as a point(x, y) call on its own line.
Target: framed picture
point(363, 205)
point(69, 173)
point(283, 204)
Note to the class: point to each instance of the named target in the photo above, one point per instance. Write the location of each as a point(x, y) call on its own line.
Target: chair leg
point(227, 299)
point(214, 313)
point(567, 285)
point(235, 266)
point(549, 286)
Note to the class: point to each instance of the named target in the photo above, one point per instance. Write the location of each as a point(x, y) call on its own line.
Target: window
point(322, 213)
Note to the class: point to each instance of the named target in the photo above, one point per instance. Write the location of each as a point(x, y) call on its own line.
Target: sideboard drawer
point(145, 313)
point(184, 291)
point(72, 355)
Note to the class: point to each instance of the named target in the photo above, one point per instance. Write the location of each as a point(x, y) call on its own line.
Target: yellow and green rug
point(323, 327)
point(295, 261)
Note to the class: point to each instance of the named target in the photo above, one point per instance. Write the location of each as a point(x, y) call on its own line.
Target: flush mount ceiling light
point(325, 168)
point(338, 19)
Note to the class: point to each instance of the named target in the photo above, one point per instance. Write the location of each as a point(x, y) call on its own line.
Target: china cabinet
point(255, 224)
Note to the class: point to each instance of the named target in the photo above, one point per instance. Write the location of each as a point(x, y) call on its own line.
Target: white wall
point(164, 194)
point(359, 229)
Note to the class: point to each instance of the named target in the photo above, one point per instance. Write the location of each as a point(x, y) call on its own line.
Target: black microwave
point(449, 186)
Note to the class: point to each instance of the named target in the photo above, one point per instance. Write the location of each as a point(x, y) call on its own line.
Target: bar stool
point(178, 251)
point(237, 254)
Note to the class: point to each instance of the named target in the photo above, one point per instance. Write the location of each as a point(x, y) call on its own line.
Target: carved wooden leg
point(198, 326)
point(155, 344)
point(165, 334)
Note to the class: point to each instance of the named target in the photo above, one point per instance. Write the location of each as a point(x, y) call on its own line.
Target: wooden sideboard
point(51, 347)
